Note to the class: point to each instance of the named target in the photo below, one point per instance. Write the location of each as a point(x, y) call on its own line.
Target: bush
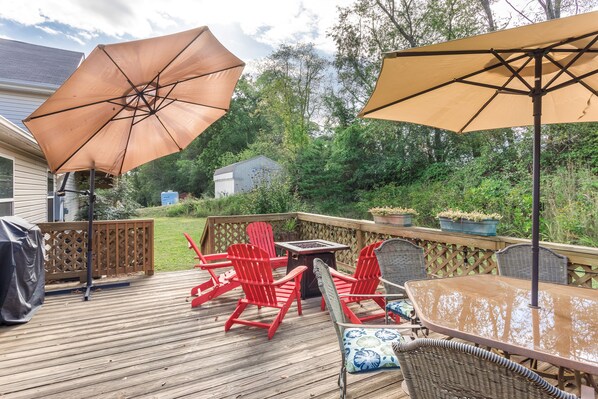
point(111, 203)
point(276, 197)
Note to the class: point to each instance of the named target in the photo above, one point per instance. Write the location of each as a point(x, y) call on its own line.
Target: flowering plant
point(387, 210)
point(455, 214)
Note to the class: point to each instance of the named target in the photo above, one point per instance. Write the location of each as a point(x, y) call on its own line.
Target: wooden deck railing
point(447, 254)
point(120, 247)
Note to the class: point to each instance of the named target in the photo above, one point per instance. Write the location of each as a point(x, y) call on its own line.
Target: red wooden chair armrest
point(212, 257)
point(217, 265)
point(294, 273)
point(342, 276)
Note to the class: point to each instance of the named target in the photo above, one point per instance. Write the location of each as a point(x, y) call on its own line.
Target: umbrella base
point(88, 289)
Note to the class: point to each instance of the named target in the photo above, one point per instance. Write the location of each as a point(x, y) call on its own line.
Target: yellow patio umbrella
point(130, 103)
point(540, 73)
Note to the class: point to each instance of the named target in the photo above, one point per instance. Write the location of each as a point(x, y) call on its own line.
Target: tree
point(291, 83)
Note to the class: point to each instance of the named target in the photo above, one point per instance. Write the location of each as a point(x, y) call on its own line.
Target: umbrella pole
point(537, 102)
point(92, 199)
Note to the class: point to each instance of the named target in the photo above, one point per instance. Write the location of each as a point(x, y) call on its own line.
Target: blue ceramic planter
point(482, 228)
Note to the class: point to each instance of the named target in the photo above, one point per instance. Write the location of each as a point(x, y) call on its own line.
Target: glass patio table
point(493, 311)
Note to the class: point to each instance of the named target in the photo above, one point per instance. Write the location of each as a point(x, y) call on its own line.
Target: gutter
point(15, 136)
point(28, 87)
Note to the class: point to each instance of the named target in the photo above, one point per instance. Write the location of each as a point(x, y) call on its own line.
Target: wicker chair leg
point(342, 382)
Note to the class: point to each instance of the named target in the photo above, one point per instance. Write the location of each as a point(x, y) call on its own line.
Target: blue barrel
point(169, 197)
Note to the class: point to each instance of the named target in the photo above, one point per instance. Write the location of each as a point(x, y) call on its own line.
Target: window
point(50, 197)
point(7, 173)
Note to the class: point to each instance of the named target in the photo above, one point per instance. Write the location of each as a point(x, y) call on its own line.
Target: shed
point(245, 175)
point(29, 74)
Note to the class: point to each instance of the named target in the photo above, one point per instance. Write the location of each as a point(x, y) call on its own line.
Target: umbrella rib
point(150, 114)
point(128, 138)
point(166, 96)
point(494, 95)
point(179, 53)
point(513, 71)
point(205, 74)
point(462, 79)
point(502, 89)
point(575, 79)
point(170, 135)
point(565, 69)
point(139, 94)
point(110, 100)
point(411, 53)
point(202, 105)
point(90, 137)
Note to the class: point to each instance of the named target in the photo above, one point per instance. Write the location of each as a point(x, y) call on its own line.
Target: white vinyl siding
point(30, 185)
point(16, 106)
point(71, 200)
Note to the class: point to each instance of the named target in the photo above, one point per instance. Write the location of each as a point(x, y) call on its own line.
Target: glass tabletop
point(493, 310)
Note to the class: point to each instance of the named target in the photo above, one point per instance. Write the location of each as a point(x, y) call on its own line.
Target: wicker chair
point(437, 369)
point(377, 354)
point(515, 261)
point(400, 261)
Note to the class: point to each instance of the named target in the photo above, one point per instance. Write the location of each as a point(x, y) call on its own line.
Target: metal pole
point(89, 285)
point(537, 101)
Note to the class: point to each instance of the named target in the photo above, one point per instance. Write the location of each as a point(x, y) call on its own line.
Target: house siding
point(71, 200)
point(30, 185)
point(16, 106)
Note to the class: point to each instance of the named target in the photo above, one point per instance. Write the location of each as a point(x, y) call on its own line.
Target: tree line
point(299, 108)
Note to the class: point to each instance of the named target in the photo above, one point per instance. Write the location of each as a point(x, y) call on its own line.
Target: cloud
point(267, 23)
point(48, 30)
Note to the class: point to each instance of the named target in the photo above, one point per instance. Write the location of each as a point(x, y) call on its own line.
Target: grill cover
point(22, 274)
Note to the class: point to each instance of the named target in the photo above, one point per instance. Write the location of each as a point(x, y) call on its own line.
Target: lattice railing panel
point(338, 234)
point(119, 248)
point(446, 254)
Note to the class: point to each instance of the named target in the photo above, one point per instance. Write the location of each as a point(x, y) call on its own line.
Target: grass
point(170, 247)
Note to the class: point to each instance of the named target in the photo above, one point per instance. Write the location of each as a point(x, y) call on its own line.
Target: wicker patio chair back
point(516, 261)
point(440, 369)
point(330, 295)
point(400, 261)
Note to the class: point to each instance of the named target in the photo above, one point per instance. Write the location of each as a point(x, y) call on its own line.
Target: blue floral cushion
point(370, 349)
point(403, 308)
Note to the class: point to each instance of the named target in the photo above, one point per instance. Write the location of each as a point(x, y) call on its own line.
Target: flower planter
point(482, 228)
point(403, 220)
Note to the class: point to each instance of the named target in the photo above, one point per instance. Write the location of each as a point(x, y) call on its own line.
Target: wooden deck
point(146, 341)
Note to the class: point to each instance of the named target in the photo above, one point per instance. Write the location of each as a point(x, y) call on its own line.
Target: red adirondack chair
point(261, 235)
point(360, 285)
point(254, 272)
point(217, 284)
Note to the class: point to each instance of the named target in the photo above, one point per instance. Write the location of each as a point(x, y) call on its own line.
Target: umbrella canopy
point(130, 103)
point(133, 102)
point(485, 82)
point(540, 73)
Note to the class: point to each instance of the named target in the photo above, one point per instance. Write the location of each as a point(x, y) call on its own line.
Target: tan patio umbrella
point(130, 103)
point(541, 73)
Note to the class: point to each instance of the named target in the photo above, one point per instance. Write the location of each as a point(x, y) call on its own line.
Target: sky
point(250, 29)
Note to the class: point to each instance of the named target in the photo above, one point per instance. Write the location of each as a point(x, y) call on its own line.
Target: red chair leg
point(216, 291)
point(231, 320)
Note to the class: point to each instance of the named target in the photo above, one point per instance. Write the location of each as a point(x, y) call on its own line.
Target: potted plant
point(393, 216)
point(477, 223)
point(288, 230)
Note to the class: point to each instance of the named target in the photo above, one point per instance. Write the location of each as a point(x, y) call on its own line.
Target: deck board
point(145, 341)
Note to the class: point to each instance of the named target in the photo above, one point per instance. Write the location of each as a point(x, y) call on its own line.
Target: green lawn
point(170, 247)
